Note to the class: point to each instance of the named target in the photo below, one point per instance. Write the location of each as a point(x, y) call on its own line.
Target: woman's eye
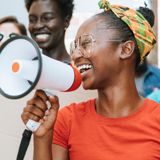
point(32, 20)
point(86, 43)
point(48, 18)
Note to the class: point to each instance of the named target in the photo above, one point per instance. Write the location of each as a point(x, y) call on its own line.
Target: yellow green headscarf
point(143, 33)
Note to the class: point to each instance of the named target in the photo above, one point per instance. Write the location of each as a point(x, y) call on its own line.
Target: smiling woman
point(119, 124)
point(10, 27)
point(48, 21)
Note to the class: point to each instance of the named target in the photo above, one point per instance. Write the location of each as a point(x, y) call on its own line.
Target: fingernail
point(45, 118)
point(48, 104)
point(52, 96)
point(41, 120)
point(47, 113)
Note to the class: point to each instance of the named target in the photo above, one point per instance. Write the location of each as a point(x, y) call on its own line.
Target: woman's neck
point(118, 101)
point(59, 52)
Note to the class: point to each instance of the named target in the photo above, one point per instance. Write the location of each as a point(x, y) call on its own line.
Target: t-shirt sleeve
point(62, 127)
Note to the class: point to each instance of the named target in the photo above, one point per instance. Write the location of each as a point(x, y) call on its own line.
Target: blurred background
point(82, 11)
point(11, 126)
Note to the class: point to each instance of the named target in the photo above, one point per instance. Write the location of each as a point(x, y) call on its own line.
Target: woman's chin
point(86, 86)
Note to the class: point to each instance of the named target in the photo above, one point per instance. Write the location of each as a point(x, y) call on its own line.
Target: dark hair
point(148, 14)
point(122, 31)
point(12, 19)
point(65, 6)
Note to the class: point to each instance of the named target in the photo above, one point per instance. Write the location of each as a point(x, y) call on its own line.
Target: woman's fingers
point(41, 109)
point(41, 94)
point(54, 102)
point(34, 110)
point(26, 116)
point(38, 102)
point(51, 114)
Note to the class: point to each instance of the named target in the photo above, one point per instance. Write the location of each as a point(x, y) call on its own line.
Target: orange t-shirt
point(89, 136)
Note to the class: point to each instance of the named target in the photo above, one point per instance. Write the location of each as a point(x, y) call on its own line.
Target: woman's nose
point(76, 54)
point(39, 24)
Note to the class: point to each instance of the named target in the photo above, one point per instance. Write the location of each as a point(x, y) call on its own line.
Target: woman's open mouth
point(42, 37)
point(83, 68)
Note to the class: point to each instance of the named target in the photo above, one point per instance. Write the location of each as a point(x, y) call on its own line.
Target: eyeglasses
point(9, 35)
point(85, 45)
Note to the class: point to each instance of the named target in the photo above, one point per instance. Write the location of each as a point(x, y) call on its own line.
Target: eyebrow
point(48, 13)
point(45, 13)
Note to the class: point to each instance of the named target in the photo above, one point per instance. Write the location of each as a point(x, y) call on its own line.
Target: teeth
point(42, 36)
point(84, 67)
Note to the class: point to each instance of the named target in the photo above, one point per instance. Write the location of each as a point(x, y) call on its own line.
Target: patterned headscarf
point(141, 29)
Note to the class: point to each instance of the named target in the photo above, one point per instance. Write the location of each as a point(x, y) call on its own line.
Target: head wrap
point(143, 33)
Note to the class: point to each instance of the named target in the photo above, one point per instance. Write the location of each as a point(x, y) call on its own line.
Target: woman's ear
point(67, 22)
point(127, 49)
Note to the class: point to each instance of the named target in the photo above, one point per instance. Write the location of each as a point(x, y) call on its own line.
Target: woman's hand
point(37, 110)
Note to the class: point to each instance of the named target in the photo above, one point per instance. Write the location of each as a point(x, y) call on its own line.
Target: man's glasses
point(9, 35)
point(85, 45)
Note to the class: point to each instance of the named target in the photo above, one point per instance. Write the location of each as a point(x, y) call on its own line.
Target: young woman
point(9, 27)
point(48, 21)
point(119, 124)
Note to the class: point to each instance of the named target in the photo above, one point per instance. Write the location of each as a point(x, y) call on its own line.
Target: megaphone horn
point(23, 68)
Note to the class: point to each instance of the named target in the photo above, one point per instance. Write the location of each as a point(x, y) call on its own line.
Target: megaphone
point(23, 68)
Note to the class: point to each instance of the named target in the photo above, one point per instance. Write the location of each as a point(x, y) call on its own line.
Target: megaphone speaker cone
point(12, 52)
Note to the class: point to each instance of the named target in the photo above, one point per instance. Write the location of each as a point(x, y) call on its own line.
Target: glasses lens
point(1, 36)
point(73, 46)
point(12, 35)
point(86, 45)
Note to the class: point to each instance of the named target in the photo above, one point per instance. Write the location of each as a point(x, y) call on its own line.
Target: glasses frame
point(8, 35)
point(93, 40)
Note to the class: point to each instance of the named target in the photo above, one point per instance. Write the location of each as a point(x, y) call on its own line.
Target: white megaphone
point(23, 68)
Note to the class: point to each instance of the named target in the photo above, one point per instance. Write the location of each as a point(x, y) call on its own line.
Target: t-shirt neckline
point(130, 118)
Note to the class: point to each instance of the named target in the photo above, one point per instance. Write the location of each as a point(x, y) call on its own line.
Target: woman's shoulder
point(152, 103)
point(155, 95)
point(153, 108)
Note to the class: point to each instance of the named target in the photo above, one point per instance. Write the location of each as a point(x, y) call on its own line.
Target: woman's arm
point(44, 149)
point(36, 110)
point(59, 152)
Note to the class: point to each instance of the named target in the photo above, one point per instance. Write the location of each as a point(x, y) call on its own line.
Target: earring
point(65, 28)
